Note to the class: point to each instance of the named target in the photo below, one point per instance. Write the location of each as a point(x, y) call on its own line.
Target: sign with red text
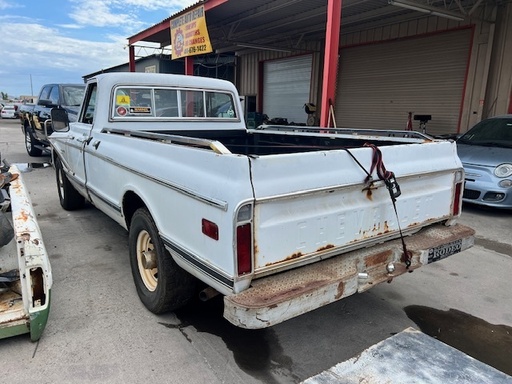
point(189, 34)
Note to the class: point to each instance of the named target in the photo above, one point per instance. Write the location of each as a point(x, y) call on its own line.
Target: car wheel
point(30, 143)
point(161, 284)
point(70, 199)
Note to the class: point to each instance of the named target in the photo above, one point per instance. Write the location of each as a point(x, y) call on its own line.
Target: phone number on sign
point(196, 49)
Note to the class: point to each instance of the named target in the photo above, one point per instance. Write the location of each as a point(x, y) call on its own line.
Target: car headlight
point(503, 170)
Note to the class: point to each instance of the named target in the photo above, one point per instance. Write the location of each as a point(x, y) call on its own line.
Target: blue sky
point(62, 40)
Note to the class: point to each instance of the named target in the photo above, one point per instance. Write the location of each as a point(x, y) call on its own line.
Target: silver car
point(486, 154)
point(9, 112)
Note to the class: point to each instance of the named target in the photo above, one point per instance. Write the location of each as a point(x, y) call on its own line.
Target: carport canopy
point(285, 25)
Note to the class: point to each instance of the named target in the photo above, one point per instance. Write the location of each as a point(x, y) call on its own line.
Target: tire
point(6, 230)
point(30, 143)
point(165, 287)
point(70, 199)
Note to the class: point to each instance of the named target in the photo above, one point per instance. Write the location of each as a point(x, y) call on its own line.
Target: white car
point(9, 112)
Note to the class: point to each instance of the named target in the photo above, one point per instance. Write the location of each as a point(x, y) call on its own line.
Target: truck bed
point(274, 139)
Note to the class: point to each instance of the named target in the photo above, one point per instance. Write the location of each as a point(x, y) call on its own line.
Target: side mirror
point(60, 120)
point(46, 103)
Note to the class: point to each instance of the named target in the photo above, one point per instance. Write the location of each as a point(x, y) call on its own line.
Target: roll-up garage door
point(286, 85)
point(379, 84)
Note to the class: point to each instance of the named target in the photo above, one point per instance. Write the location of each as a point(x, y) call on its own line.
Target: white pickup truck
point(280, 220)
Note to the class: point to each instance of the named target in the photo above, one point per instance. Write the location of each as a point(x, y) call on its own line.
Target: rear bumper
point(274, 299)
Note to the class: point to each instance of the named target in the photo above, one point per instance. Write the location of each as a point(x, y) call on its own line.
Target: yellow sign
point(122, 100)
point(189, 34)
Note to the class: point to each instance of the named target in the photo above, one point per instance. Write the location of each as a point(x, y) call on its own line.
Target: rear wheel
point(30, 143)
point(161, 284)
point(70, 199)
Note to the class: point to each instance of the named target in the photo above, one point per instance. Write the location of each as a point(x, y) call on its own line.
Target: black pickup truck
point(33, 118)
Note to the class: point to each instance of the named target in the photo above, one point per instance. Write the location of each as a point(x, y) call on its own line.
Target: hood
point(483, 155)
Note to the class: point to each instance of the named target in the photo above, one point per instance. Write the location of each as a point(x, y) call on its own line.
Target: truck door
point(79, 137)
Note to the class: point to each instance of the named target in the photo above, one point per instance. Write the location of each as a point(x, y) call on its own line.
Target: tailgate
point(324, 209)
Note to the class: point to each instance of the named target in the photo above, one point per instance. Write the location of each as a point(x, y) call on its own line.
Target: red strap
point(389, 178)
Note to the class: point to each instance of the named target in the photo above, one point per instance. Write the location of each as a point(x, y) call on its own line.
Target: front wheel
point(161, 284)
point(30, 144)
point(70, 199)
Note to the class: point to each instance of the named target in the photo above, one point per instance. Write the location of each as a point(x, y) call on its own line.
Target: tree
point(4, 95)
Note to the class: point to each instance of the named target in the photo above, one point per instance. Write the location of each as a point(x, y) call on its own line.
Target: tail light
point(459, 188)
point(243, 248)
point(244, 240)
point(457, 199)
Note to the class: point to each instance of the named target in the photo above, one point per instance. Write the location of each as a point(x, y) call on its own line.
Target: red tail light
point(243, 248)
point(457, 198)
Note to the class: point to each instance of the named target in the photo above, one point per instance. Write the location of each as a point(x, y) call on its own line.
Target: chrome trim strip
point(115, 207)
point(190, 258)
point(377, 183)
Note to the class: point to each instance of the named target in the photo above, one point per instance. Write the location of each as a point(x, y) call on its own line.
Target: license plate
point(445, 250)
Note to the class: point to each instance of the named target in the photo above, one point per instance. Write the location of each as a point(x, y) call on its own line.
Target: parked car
point(486, 154)
point(9, 112)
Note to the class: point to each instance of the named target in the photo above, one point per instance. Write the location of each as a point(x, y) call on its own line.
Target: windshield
point(490, 132)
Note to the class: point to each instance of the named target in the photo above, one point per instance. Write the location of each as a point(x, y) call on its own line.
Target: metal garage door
point(379, 84)
point(286, 85)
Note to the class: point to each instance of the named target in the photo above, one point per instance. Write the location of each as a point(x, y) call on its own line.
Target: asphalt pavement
point(99, 332)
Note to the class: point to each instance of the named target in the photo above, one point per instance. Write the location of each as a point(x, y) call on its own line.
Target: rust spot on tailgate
point(328, 246)
point(296, 255)
point(378, 258)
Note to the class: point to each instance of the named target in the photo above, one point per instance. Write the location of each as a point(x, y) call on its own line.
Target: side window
point(54, 95)
point(220, 105)
point(45, 93)
point(90, 104)
point(192, 104)
point(166, 103)
point(133, 102)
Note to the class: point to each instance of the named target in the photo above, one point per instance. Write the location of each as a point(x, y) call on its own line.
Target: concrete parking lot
point(99, 332)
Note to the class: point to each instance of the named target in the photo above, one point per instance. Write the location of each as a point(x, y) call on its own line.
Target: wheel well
point(131, 202)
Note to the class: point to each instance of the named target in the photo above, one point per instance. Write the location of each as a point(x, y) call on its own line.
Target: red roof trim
point(165, 24)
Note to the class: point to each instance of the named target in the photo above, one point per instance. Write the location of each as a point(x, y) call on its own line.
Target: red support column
point(510, 103)
point(131, 53)
point(189, 66)
point(332, 41)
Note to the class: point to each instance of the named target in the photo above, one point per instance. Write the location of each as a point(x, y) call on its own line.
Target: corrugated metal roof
point(285, 24)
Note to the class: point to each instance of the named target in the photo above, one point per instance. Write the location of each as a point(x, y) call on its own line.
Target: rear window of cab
point(165, 103)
